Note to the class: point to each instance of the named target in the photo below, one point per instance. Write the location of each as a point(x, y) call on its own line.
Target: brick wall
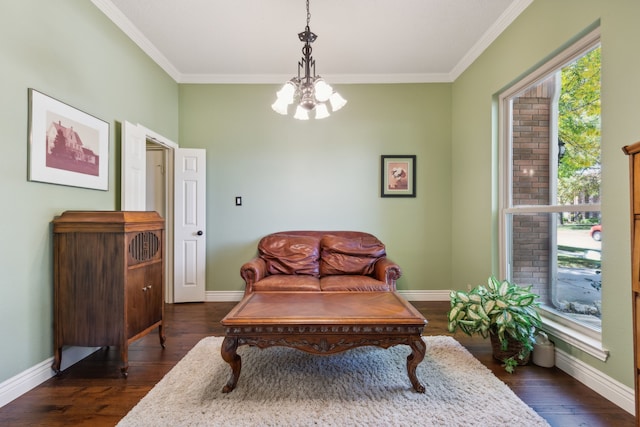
point(531, 151)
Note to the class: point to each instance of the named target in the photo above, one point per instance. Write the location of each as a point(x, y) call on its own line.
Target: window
point(550, 187)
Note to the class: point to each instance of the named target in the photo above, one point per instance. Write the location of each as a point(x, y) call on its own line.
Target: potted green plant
point(503, 311)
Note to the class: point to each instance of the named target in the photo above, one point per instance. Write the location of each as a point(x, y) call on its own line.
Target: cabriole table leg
point(228, 351)
point(418, 349)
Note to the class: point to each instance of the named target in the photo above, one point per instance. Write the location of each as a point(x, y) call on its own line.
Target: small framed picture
point(66, 146)
point(398, 176)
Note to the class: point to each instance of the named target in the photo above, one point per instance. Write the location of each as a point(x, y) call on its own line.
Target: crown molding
point(332, 78)
point(506, 19)
point(127, 27)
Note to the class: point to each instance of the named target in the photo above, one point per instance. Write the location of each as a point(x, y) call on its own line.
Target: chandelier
point(310, 92)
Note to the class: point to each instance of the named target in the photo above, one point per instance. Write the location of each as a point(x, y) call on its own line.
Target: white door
point(190, 230)
point(134, 161)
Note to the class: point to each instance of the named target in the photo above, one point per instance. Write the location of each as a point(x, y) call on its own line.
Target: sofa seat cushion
point(285, 254)
point(287, 282)
point(349, 255)
point(352, 282)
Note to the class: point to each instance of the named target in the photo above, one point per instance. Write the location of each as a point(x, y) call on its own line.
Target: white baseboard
point(607, 387)
point(226, 296)
point(16, 386)
point(425, 295)
point(223, 296)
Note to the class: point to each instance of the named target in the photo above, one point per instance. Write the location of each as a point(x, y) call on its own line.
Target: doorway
point(157, 197)
point(158, 175)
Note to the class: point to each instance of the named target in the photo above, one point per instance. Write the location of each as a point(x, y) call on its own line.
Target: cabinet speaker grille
point(144, 246)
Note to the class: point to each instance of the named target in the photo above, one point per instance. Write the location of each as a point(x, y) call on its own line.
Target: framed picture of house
point(398, 176)
point(66, 146)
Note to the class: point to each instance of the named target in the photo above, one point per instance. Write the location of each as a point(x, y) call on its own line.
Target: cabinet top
point(631, 149)
point(108, 220)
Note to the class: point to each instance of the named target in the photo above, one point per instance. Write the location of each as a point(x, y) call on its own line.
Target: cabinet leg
point(163, 338)
point(57, 360)
point(124, 354)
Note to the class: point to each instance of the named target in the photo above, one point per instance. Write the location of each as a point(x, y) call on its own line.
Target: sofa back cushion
point(349, 254)
point(291, 254)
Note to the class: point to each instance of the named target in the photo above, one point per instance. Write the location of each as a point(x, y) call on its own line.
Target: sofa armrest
point(387, 271)
point(253, 271)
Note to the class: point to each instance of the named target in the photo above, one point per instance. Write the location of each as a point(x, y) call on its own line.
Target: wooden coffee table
point(323, 323)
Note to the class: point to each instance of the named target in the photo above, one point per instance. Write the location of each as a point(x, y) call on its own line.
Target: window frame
point(570, 331)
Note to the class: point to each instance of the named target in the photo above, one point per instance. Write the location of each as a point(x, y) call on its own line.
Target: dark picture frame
point(66, 146)
point(398, 175)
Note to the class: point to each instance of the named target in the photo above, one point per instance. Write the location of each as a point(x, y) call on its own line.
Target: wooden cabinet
point(634, 175)
point(108, 279)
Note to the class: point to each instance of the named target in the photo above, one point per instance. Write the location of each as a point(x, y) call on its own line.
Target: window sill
point(576, 335)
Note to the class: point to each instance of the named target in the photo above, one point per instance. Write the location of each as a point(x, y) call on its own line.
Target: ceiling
point(359, 41)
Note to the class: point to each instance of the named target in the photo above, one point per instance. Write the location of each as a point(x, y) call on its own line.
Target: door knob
point(199, 233)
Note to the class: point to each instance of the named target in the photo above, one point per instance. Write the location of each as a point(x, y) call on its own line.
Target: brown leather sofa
point(320, 261)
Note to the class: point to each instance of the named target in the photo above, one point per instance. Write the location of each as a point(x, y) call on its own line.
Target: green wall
point(323, 174)
point(303, 175)
point(544, 28)
point(68, 50)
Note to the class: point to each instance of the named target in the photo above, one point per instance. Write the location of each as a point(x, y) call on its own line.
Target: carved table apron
point(323, 323)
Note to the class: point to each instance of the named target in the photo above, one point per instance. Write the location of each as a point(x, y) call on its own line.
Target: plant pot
point(513, 350)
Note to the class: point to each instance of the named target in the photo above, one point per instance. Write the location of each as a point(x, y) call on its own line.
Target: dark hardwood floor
point(93, 392)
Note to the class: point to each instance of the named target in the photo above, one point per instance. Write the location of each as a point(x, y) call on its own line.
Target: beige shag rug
point(366, 386)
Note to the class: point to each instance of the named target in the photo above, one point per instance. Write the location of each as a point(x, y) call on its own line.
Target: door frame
point(169, 147)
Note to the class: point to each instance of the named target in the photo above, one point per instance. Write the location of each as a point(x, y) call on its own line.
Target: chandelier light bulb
point(322, 89)
point(322, 111)
point(280, 106)
point(301, 113)
point(287, 93)
point(337, 101)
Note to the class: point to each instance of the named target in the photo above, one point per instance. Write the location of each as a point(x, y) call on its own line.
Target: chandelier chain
point(308, 14)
